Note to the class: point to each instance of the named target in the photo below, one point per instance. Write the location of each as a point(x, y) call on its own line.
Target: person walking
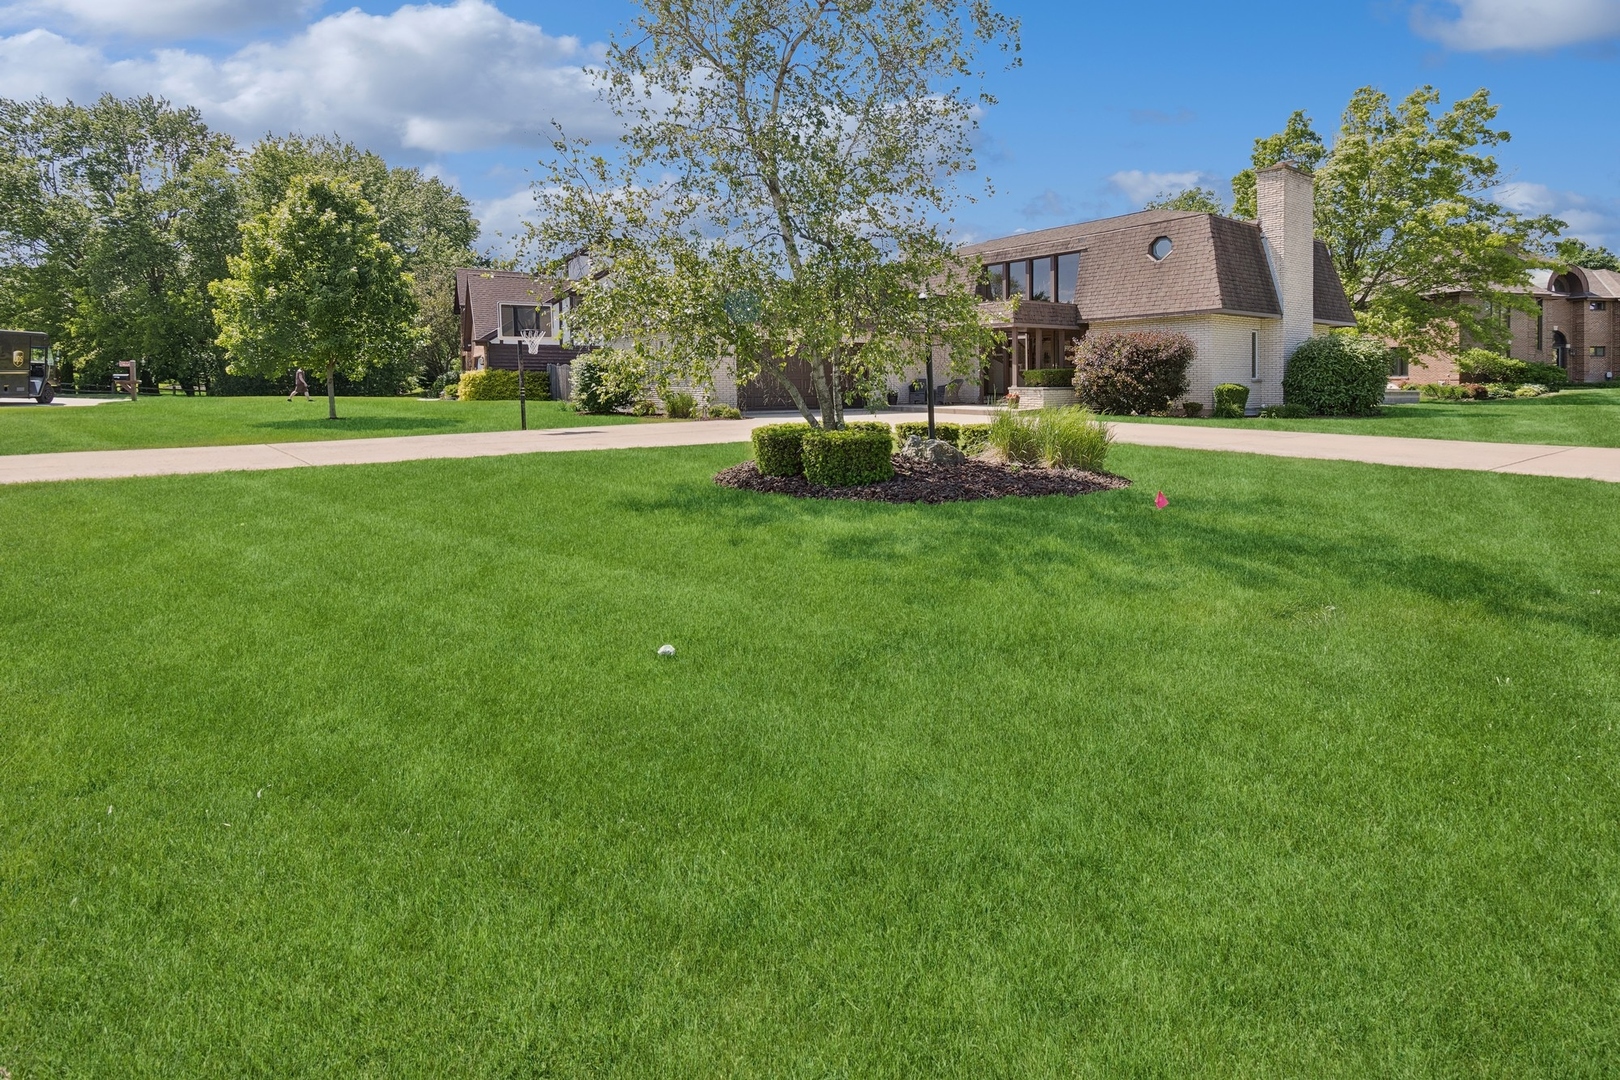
point(300, 385)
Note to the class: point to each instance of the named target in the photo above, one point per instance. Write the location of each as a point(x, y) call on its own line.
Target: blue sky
point(1113, 103)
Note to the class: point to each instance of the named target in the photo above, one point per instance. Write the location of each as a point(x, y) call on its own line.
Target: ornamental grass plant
point(1058, 438)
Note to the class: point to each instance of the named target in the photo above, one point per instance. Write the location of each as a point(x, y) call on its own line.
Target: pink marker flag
point(1160, 501)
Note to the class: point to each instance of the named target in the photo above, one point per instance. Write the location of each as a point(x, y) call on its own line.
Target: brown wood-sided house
point(495, 307)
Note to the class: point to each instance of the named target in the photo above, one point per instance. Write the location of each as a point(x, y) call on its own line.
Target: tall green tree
point(1573, 252)
point(428, 224)
point(1197, 200)
point(116, 217)
point(315, 284)
point(1297, 143)
point(778, 190)
point(1404, 202)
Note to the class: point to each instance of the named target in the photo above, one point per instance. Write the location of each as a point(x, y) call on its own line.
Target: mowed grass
point(1579, 417)
point(172, 420)
point(374, 772)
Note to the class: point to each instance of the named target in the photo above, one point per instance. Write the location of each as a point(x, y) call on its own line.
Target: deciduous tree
point(780, 190)
point(315, 284)
point(1404, 202)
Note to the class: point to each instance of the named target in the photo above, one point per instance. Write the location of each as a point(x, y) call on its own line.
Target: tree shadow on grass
point(378, 424)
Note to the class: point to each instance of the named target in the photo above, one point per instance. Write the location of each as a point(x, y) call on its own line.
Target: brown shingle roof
point(1331, 304)
point(1219, 264)
point(484, 291)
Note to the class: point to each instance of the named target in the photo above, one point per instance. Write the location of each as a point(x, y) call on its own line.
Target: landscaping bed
point(926, 482)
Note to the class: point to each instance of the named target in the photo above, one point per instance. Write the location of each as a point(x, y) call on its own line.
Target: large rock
point(935, 451)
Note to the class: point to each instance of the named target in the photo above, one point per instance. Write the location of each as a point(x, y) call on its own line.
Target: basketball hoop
point(531, 339)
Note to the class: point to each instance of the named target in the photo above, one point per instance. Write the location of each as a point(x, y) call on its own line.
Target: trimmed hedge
point(496, 384)
point(779, 449)
point(1058, 376)
point(975, 437)
point(855, 455)
point(1338, 375)
point(1231, 401)
point(951, 433)
point(1137, 371)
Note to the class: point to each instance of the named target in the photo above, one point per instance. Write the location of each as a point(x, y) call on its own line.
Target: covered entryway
point(1560, 349)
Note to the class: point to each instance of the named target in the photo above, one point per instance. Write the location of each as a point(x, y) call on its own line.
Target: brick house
point(1246, 293)
point(1575, 327)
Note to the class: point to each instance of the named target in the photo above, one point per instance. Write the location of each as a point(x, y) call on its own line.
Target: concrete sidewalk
point(1576, 462)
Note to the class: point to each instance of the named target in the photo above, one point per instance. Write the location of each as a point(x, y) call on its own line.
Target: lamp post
point(928, 348)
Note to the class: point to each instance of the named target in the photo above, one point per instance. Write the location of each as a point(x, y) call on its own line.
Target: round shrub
point(1231, 401)
point(779, 449)
point(1337, 375)
point(599, 389)
point(1132, 372)
point(848, 457)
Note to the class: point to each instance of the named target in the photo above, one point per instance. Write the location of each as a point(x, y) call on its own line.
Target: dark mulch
point(917, 481)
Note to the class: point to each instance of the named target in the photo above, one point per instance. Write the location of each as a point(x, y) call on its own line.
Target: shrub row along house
point(1246, 293)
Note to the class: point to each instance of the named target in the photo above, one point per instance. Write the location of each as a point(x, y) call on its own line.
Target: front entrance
point(1560, 349)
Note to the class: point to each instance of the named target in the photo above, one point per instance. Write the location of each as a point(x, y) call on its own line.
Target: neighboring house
point(1246, 293)
point(495, 307)
point(1576, 327)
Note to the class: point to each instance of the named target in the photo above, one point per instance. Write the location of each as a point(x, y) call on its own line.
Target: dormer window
point(1161, 248)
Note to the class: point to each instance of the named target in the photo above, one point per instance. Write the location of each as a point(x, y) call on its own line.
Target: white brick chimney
point(1285, 196)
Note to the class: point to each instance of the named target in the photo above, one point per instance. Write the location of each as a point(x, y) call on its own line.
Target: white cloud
point(1048, 204)
point(157, 18)
point(1490, 25)
point(1139, 186)
point(429, 78)
point(501, 219)
point(1596, 221)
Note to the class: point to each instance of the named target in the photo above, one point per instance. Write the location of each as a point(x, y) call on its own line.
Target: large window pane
point(1040, 278)
point(1018, 279)
point(997, 276)
point(1068, 277)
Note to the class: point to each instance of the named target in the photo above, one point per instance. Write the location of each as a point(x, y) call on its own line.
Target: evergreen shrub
point(854, 455)
point(779, 449)
point(1061, 376)
point(1338, 375)
point(951, 433)
point(1231, 401)
point(496, 384)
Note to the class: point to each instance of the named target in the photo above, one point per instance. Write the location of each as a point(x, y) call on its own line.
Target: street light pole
point(928, 369)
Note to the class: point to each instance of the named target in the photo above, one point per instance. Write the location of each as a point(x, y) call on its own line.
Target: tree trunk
point(331, 391)
point(792, 392)
point(825, 380)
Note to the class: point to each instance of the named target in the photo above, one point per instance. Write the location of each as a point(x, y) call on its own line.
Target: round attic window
point(1161, 248)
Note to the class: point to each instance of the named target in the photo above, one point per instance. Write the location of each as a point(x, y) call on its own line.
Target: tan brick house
point(1246, 293)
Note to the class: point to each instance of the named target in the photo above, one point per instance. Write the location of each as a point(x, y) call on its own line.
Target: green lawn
point(164, 420)
point(1569, 418)
point(373, 772)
